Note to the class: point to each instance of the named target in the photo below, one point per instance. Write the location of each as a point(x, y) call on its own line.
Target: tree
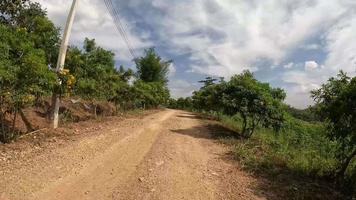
point(152, 68)
point(24, 74)
point(336, 101)
point(94, 68)
point(125, 75)
point(208, 81)
point(255, 102)
point(208, 98)
point(19, 12)
point(32, 18)
point(151, 94)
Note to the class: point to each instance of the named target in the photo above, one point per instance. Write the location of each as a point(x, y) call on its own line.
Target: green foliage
point(29, 44)
point(255, 102)
point(31, 17)
point(24, 75)
point(94, 71)
point(337, 104)
point(97, 78)
point(151, 94)
point(151, 67)
point(299, 149)
point(301, 142)
point(309, 114)
point(19, 12)
point(181, 103)
point(208, 81)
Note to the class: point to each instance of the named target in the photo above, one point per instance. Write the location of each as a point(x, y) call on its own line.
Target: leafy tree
point(256, 103)
point(94, 68)
point(125, 75)
point(208, 81)
point(31, 17)
point(151, 94)
point(181, 103)
point(309, 114)
point(24, 75)
point(208, 98)
point(336, 102)
point(152, 68)
point(19, 12)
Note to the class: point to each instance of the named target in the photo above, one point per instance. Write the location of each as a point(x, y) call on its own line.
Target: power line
point(117, 23)
point(122, 27)
point(119, 26)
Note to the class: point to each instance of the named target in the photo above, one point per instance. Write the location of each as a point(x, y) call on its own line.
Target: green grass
point(300, 147)
point(299, 156)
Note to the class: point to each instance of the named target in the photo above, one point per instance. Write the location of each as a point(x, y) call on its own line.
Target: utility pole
point(61, 59)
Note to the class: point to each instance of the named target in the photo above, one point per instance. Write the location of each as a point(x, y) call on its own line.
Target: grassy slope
point(298, 161)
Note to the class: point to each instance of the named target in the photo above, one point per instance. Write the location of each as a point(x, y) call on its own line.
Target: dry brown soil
point(166, 155)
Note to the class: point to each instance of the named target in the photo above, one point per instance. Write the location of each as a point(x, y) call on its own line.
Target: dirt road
point(166, 155)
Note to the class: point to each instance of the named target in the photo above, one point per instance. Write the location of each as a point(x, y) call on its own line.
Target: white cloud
point(222, 38)
point(341, 46)
point(299, 86)
point(172, 70)
point(181, 88)
point(226, 37)
point(92, 20)
point(289, 65)
point(311, 65)
point(340, 55)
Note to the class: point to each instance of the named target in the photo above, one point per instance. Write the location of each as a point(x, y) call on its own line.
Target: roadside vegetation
point(270, 137)
point(29, 44)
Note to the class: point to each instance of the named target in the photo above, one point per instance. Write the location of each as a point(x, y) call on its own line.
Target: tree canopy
point(255, 102)
point(24, 75)
point(152, 68)
point(336, 101)
point(33, 19)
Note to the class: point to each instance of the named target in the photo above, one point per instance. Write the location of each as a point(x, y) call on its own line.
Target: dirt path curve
point(166, 155)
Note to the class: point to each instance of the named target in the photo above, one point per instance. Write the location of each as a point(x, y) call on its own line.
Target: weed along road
point(165, 155)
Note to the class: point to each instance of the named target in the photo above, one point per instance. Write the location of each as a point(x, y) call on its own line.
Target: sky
point(293, 44)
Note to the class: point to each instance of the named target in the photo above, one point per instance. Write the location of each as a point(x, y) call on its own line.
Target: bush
point(300, 146)
point(24, 75)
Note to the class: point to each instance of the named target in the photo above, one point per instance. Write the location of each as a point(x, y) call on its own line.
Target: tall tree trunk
point(2, 121)
point(14, 122)
point(25, 121)
point(344, 165)
point(244, 128)
point(252, 129)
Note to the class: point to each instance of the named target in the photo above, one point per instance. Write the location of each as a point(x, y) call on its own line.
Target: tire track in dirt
point(186, 163)
point(110, 169)
point(168, 155)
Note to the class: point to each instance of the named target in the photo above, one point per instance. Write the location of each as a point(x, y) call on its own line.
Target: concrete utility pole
point(62, 57)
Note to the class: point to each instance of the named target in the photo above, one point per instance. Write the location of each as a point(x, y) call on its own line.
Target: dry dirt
point(166, 155)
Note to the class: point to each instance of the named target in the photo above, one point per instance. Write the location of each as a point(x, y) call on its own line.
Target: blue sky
point(292, 44)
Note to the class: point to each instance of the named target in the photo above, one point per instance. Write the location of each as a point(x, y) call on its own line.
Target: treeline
point(319, 141)
point(29, 45)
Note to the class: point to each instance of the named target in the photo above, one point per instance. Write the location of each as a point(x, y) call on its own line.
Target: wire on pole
point(119, 26)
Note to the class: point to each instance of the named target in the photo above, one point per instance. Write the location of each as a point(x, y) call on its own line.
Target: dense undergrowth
point(299, 149)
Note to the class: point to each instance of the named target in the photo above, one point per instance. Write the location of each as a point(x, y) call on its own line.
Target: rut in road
point(167, 155)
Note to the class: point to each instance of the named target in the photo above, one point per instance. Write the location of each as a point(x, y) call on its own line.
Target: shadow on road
point(208, 131)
